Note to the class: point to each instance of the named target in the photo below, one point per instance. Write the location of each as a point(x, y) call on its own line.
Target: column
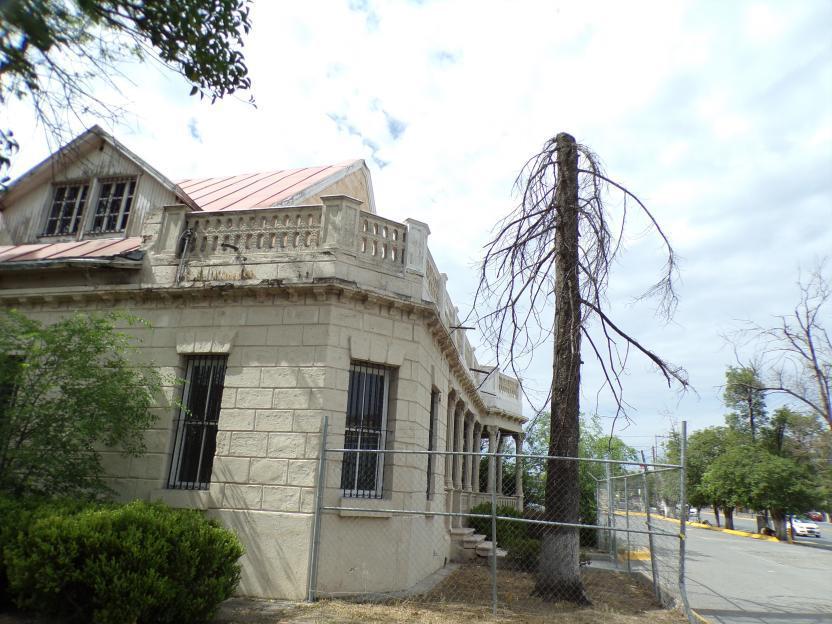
point(460, 414)
point(500, 445)
point(475, 478)
point(449, 441)
point(469, 446)
point(492, 445)
point(518, 465)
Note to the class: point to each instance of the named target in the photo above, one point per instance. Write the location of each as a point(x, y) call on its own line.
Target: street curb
point(699, 525)
point(700, 618)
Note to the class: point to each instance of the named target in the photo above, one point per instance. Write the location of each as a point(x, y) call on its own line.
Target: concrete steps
point(467, 545)
point(486, 548)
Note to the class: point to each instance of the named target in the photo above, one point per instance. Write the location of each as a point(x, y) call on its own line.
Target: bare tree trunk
point(780, 524)
point(762, 520)
point(729, 517)
point(716, 515)
point(559, 571)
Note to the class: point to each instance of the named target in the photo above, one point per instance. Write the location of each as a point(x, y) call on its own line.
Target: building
point(282, 299)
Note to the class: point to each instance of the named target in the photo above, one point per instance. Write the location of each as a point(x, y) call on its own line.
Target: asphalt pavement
point(739, 580)
point(744, 522)
point(733, 579)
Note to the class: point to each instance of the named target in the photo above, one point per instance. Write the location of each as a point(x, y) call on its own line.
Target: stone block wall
point(288, 367)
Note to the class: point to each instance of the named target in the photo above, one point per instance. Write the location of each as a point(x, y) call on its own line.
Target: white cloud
point(717, 114)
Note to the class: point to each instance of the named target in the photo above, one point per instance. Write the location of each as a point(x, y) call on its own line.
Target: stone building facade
point(283, 300)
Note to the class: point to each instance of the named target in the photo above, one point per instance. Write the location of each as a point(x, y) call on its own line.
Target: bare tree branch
point(796, 353)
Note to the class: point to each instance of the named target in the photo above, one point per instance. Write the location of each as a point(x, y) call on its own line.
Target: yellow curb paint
point(642, 554)
point(699, 525)
point(700, 618)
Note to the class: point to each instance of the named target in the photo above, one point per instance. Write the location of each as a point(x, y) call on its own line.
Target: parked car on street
point(815, 515)
point(804, 527)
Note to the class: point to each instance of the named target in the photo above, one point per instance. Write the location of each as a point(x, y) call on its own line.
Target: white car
point(804, 527)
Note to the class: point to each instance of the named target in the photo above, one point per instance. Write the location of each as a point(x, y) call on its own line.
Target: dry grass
point(461, 598)
point(464, 597)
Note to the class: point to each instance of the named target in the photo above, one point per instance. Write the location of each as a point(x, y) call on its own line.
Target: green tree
point(55, 52)
point(748, 475)
point(703, 448)
point(594, 444)
point(746, 399)
point(69, 388)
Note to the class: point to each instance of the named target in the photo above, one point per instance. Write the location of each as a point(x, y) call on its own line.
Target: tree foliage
point(67, 389)
point(56, 52)
point(744, 396)
point(594, 444)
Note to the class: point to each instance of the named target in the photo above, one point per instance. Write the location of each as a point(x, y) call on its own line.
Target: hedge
point(103, 563)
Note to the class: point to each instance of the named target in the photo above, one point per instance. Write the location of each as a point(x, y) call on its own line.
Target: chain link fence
point(526, 534)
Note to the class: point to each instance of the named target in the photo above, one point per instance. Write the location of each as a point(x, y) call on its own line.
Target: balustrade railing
point(477, 498)
point(509, 386)
point(252, 231)
point(434, 281)
point(382, 240)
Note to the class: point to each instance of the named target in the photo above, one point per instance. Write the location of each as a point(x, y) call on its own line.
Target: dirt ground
point(462, 597)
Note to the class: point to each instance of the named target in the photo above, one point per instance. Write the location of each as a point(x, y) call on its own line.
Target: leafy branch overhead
point(57, 52)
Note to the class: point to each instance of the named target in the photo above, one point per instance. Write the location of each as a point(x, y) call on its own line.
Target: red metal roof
point(256, 190)
point(99, 248)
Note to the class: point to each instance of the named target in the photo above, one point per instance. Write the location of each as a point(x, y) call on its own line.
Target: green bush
point(524, 552)
point(15, 517)
point(507, 530)
point(137, 563)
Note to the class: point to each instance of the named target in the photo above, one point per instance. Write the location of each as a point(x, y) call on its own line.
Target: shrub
point(138, 563)
point(507, 530)
point(15, 517)
point(524, 552)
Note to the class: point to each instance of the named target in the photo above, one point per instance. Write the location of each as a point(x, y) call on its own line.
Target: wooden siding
point(24, 219)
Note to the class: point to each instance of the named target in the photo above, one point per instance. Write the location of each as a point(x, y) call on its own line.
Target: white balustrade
point(509, 387)
point(254, 231)
point(381, 240)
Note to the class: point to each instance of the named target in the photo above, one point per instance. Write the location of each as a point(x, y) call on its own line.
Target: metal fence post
point(494, 551)
point(611, 537)
point(627, 521)
point(683, 495)
point(653, 563)
point(312, 586)
point(599, 534)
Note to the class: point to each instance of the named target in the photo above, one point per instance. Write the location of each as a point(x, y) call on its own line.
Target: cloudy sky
point(717, 114)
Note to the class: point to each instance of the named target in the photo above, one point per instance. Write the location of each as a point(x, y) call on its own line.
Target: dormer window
point(115, 198)
point(67, 209)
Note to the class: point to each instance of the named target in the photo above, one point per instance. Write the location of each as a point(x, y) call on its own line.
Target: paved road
point(743, 522)
point(739, 580)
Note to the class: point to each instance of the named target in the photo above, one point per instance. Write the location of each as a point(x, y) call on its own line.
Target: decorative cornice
point(321, 289)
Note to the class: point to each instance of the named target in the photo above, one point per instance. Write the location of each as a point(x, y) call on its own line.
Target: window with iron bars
point(366, 423)
point(196, 427)
point(115, 198)
point(434, 409)
point(67, 209)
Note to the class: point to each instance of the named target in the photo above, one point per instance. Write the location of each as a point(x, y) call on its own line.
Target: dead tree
point(557, 244)
point(797, 351)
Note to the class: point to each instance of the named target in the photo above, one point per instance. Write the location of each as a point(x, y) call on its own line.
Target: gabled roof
point(241, 192)
point(267, 189)
point(83, 143)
